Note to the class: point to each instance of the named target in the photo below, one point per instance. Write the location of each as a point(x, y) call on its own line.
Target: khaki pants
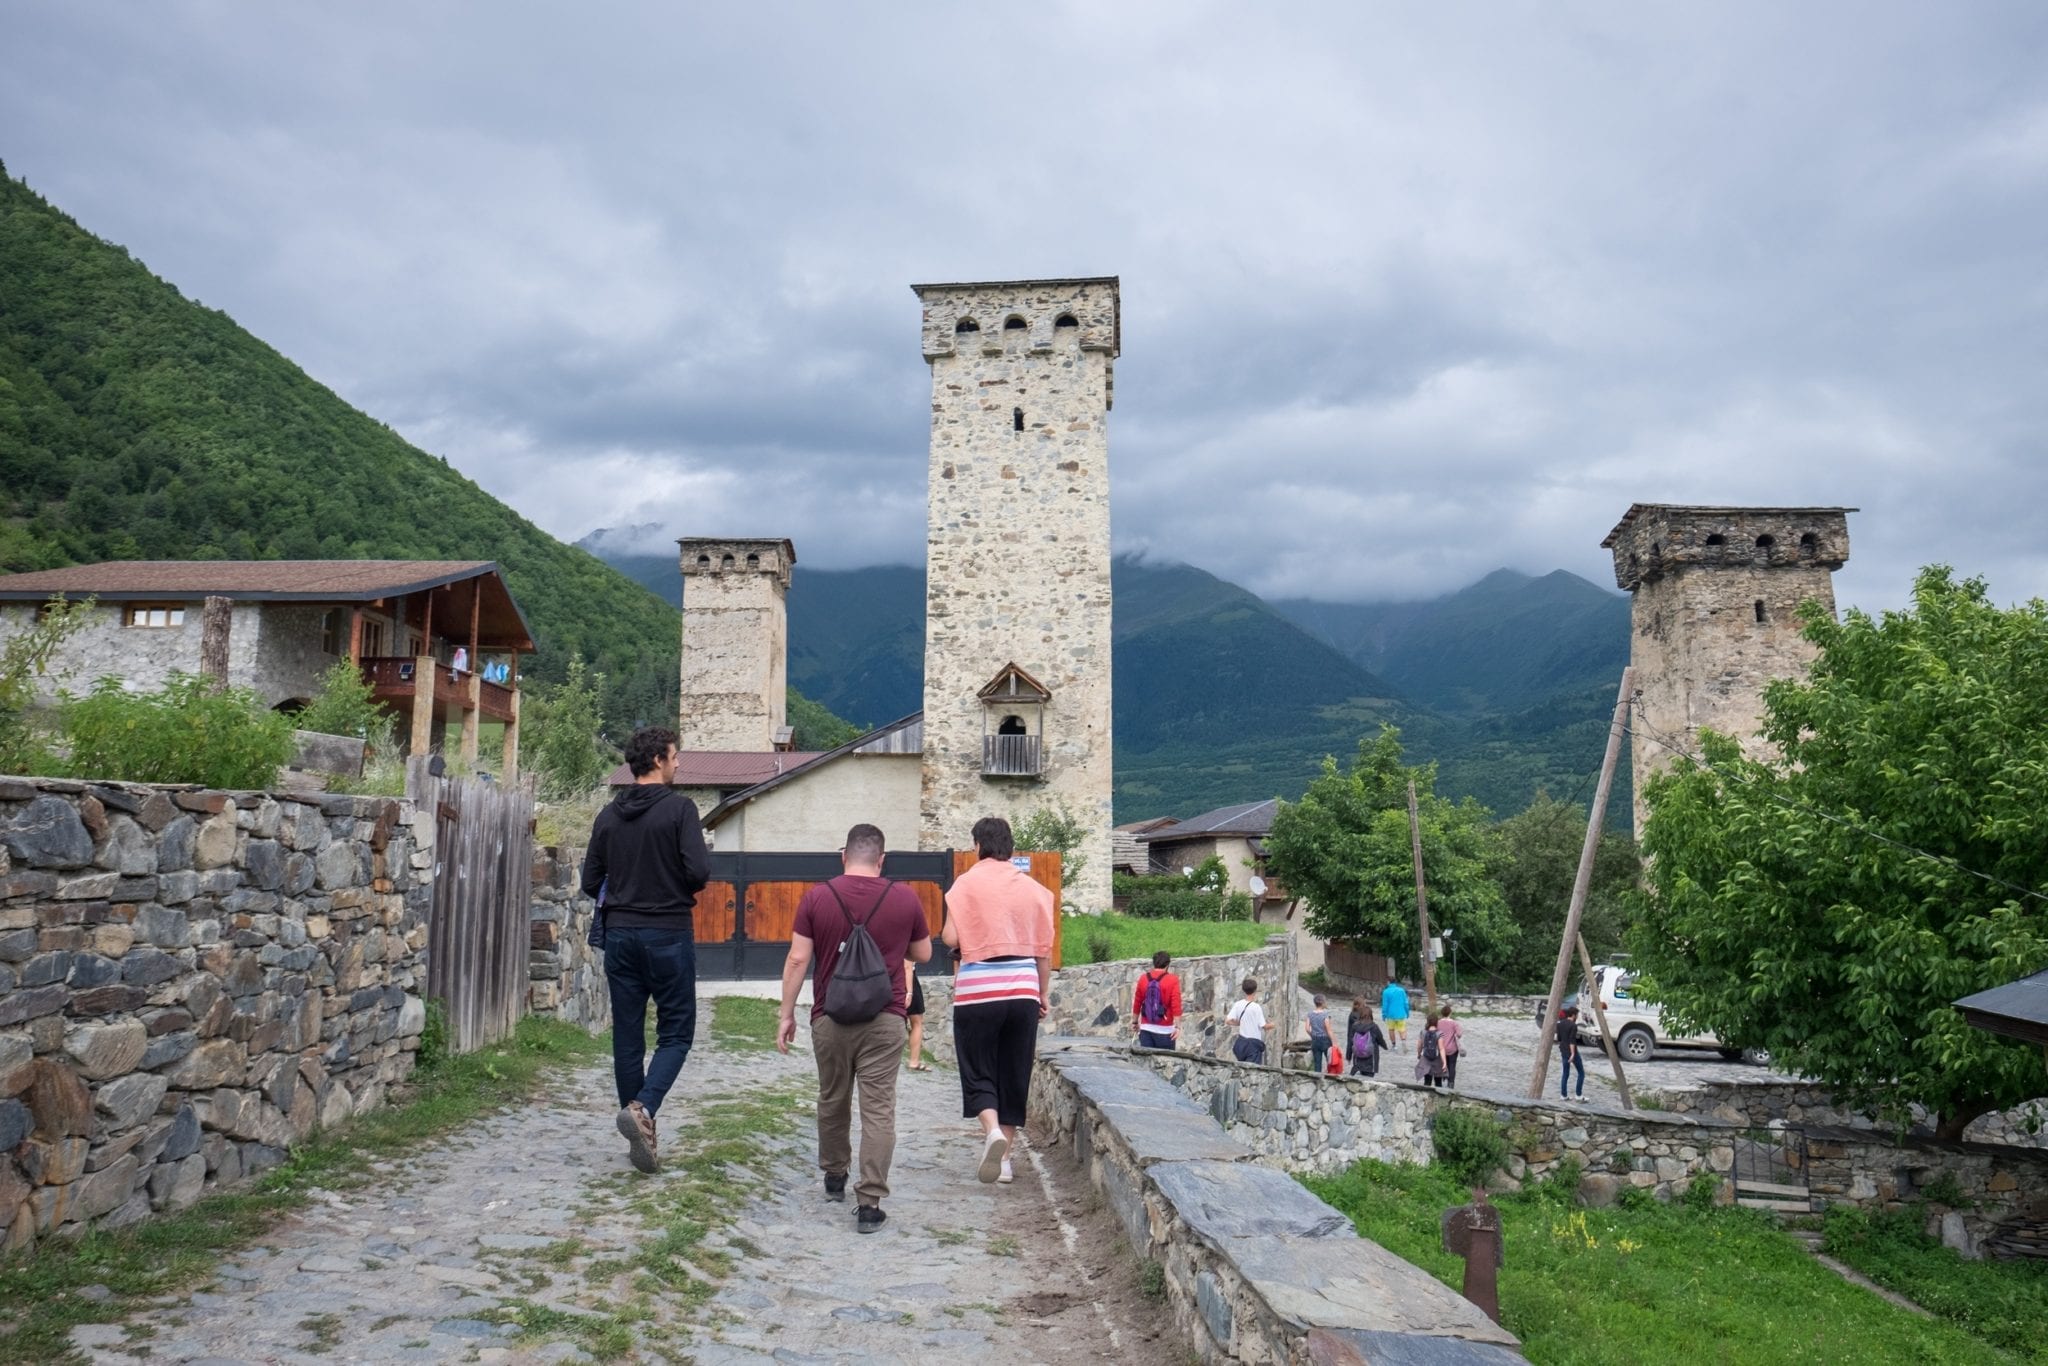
point(870, 1053)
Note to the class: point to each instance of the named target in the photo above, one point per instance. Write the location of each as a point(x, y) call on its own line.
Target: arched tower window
point(1065, 320)
point(704, 564)
point(1013, 323)
point(725, 564)
point(753, 561)
point(1717, 539)
point(1012, 725)
point(1766, 541)
point(1760, 610)
point(966, 325)
point(1808, 543)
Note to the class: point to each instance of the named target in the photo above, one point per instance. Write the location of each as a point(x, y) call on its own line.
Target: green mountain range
point(136, 424)
point(1222, 697)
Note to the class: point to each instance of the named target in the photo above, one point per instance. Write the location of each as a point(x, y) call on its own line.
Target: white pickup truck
point(1638, 1026)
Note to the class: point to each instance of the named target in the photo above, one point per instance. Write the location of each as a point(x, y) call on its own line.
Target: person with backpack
point(647, 856)
point(1250, 1018)
point(1365, 1042)
point(1000, 922)
point(1429, 1053)
point(852, 936)
point(1318, 1034)
point(1156, 1004)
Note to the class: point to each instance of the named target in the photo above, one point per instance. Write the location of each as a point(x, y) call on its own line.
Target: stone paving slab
point(1356, 1284)
point(1229, 1200)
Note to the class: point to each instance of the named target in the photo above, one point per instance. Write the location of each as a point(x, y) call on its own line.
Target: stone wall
point(1980, 1199)
point(1767, 1103)
point(190, 982)
point(1018, 553)
point(565, 976)
point(1093, 1000)
point(273, 648)
point(1256, 1268)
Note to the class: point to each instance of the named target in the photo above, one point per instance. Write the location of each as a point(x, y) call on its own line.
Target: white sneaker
point(1006, 1176)
point(993, 1153)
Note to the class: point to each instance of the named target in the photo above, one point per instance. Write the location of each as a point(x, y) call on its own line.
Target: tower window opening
point(1717, 539)
point(725, 564)
point(1760, 610)
point(1766, 541)
point(753, 561)
point(1012, 725)
point(1809, 542)
point(1017, 419)
point(967, 325)
point(1013, 323)
point(1066, 320)
point(704, 563)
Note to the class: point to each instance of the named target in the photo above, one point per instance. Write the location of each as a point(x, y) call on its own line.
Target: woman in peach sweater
point(1000, 923)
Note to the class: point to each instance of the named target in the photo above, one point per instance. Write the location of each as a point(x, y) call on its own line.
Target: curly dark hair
point(992, 838)
point(648, 747)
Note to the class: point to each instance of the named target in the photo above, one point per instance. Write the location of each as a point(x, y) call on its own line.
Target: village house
point(439, 641)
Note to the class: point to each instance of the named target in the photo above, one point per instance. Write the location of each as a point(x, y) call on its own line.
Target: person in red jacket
point(1156, 1005)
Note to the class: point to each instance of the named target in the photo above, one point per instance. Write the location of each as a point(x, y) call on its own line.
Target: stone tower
point(735, 644)
point(1017, 595)
point(1715, 615)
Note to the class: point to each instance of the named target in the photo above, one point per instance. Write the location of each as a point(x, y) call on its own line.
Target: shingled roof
point(1247, 819)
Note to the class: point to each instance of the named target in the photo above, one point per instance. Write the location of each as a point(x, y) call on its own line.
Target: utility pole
point(1583, 883)
point(1421, 897)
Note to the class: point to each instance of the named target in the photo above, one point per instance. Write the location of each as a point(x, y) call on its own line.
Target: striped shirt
point(979, 983)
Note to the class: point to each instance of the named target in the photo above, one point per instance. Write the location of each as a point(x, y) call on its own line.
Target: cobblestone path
point(527, 1238)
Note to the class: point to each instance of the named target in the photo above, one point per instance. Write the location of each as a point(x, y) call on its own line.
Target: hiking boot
point(993, 1151)
point(870, 1219)
point(835, 1185)
point(638, 1127)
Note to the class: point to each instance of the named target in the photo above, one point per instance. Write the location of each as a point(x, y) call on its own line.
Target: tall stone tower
point(1715, 615)
point(1017, 596)
point(735, 673)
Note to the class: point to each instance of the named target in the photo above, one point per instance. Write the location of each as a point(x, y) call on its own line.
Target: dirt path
point(527, 1238)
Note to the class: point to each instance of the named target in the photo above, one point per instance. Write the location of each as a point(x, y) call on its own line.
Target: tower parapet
point(735, 664)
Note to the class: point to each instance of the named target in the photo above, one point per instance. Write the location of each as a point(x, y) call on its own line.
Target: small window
point(1717, 539)
point(1012, 725)
point(1808, 543)
point(1065, 320)
point(704, 564)
point(1013, 323)
point(159, 614)
point(1766, 541)
point(967, 325)
point(725, 564)
point(1760, 611)
point(753, 561)
point(1017, 419)
point(334, 631)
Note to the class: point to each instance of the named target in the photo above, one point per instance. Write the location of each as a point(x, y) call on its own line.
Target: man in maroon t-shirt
point(869, 1052)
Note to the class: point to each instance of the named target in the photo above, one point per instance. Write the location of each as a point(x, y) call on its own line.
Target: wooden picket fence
point(478, 932)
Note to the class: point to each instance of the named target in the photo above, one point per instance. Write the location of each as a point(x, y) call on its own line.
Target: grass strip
point(1647, 1282)
point(745, 1024)
point(1112, 938)
point(2003, 1303)
point(39, 1290)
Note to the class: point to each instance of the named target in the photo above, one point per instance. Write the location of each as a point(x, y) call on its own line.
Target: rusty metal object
point(1473, 1232)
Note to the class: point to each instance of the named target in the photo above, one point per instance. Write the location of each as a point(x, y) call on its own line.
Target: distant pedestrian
point(917, 1062)
point(1000, 922)
point(647, 855)
point(1568, 1053)
point(1453, 1035)
point(1394, 1010)
point(1250, 1018)
point(1363, 1039)
point(1318, 1034)
point(1429, 1053)
point(1156, 1004)
point(852, 1045)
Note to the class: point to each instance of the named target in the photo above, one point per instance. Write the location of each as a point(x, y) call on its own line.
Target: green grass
point(1129, 937)
point(39, 1299)
point(744, 1023)
point(2004, 1303)
point(1651, 1284)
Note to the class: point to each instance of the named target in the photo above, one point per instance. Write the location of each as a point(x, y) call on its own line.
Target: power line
point(1677, 747)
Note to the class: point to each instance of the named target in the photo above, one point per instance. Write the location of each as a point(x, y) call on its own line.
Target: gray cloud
point(1408, 294)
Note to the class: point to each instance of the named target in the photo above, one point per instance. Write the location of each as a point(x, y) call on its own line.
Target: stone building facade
point(276, 649)
point(1715, 595)
point(735, 670)
point(1018, 560)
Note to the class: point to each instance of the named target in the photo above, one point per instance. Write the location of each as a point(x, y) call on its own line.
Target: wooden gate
point(477, 931)
point(745, 913)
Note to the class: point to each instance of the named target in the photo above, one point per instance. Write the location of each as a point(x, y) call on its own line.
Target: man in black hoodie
point(647, 853)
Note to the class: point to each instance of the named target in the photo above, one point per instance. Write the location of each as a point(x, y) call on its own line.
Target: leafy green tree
point(1345, 848)
point(1829, 904)
point(25, 657)
point(815, 727)
point(1537, 861)
point(345, 705)
point(1053, 829)
point(188, 732)
point(559, 737)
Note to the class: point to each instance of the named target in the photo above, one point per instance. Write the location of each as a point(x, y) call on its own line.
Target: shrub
point(345, 705)
point(1700, 1192)
point(1636, 1198)
point(24, 658)
point(190, 732)
point(433, 1049)
point(1470, 1145)
point(1101, 946)
point(1054, 829)
point(559, 734)
point(1172, 897)
point(1561, 1186)
point(1946, 1190)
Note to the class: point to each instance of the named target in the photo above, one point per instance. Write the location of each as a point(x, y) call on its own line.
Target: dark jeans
point(1146, 1039)
point(642, 965)
point(1319, 1052)
point(1566, 1060)
point(1451, 1066)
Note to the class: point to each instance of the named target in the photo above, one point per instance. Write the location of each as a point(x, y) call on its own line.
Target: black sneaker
point(835, 1185)
point(871, 1218)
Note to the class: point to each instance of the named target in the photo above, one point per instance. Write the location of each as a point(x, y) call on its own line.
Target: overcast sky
point(1410, 291)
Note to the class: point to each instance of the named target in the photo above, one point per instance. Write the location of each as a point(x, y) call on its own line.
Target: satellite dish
point(1258, 885)
point(1186, 870)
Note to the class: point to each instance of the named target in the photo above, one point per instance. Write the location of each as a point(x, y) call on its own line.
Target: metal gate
point(1770, 1171)
point(745, 913)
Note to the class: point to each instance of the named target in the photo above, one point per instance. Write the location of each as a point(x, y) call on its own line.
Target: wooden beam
point(427, 626)
point(355, 636)
point(423, 681)
point(509, 771)
point(216, 624)
point(476, 613)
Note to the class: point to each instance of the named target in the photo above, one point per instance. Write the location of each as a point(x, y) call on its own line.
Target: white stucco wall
point(813, 812)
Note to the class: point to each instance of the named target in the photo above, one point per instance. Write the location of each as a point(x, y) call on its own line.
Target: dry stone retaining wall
point(565, 976)
point(1764, 1103)
point(190, 982)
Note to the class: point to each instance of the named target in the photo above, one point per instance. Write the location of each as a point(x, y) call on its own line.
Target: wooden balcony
point(1011, 756)
point(394, 682)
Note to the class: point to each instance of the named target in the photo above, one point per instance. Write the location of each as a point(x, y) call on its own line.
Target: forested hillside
point(135, 423)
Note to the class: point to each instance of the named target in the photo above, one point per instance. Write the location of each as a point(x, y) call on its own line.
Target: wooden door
point(714, 917)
